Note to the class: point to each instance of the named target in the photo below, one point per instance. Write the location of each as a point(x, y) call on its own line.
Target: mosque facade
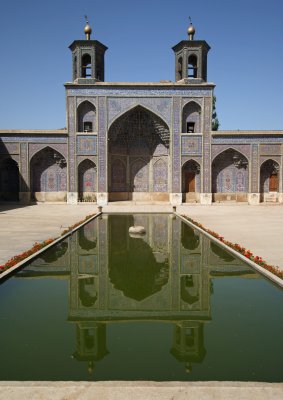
point(140, 141)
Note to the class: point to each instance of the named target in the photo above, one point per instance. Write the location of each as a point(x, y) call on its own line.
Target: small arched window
point(75, 68)
point(86, 66)
point(180, 68)
point(192, 67)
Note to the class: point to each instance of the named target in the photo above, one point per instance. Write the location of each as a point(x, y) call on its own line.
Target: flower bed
point(38, 246)
point(240, 249)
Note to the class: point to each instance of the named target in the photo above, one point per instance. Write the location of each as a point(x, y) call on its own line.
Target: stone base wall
point(139, 196)
point(238, 197)
point(191, 197)
point(49, 196)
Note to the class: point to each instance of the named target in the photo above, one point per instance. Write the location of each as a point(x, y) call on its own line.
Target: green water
point(168, 306)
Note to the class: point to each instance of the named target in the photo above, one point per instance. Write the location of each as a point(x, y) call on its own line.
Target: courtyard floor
point(21, 227)
point(258, 228)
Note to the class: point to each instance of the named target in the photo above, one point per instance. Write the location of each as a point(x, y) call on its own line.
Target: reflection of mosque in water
point(162, 276)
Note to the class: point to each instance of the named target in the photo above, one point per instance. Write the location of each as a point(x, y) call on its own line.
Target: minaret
point(191, 59)
point(88, 58)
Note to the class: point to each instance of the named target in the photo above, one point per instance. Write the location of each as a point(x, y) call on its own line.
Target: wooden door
point(190, 182)
point(273, 183)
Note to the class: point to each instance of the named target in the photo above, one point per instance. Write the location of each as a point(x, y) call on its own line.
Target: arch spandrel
point(244, 149)
point(91, 100)
point(35, 148)
point(160, 106)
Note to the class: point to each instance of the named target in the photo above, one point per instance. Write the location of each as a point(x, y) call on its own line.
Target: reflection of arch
point(87, 241)
point(53, 254)
point(269, 176)
point(133, 267)
point(87, 180)
point(191, 177)
point(190, 289)
point(191, 119)
point(136, 139)
point(86, 117)
point(189, 239)
point(87, 291)
point(9, 180)
point(230, 172)
point(221, 253)
point(48, 171)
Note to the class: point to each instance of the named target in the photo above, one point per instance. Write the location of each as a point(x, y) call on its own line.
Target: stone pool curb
point(8, 271)
point(275, 279)
point(140, 390)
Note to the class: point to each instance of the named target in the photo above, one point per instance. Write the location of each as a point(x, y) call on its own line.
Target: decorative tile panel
point(247, 139)
point(24, 181)
point(9, 148)
point(160, 176)
point(255, 169)
point(35, 139)
point(206, 146)
point(270, 149)
point(86, 145)
point(191, 145)
point(72, 145)
point(176, 162)
point(139, 92)
point(102, 146)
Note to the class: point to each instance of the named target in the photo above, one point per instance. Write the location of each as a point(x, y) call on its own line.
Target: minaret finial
point(87, 29)
point(191, 30)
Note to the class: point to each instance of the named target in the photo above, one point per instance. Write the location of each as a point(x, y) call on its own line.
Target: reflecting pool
point(169, 305)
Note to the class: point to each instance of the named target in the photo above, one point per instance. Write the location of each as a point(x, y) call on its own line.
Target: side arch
point(230, 176)
point(87, 180)
point(86, 117)
point(269, 179)
point(191, 181)
point(191, 117)
point(48, 175)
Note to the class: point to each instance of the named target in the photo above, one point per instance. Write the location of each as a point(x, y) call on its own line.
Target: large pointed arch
point(48, 175)
point(230, 175)
point(139, 138)
point(132, 107)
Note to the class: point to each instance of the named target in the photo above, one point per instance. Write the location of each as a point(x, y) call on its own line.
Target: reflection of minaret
point(188, 343)
point(91, 343)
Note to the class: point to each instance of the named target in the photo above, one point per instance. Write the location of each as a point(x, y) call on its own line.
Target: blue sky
point(245, 61)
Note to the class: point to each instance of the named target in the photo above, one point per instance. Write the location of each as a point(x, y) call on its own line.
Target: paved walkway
point(21, 227)
point(140, 390)
point(258, 228)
